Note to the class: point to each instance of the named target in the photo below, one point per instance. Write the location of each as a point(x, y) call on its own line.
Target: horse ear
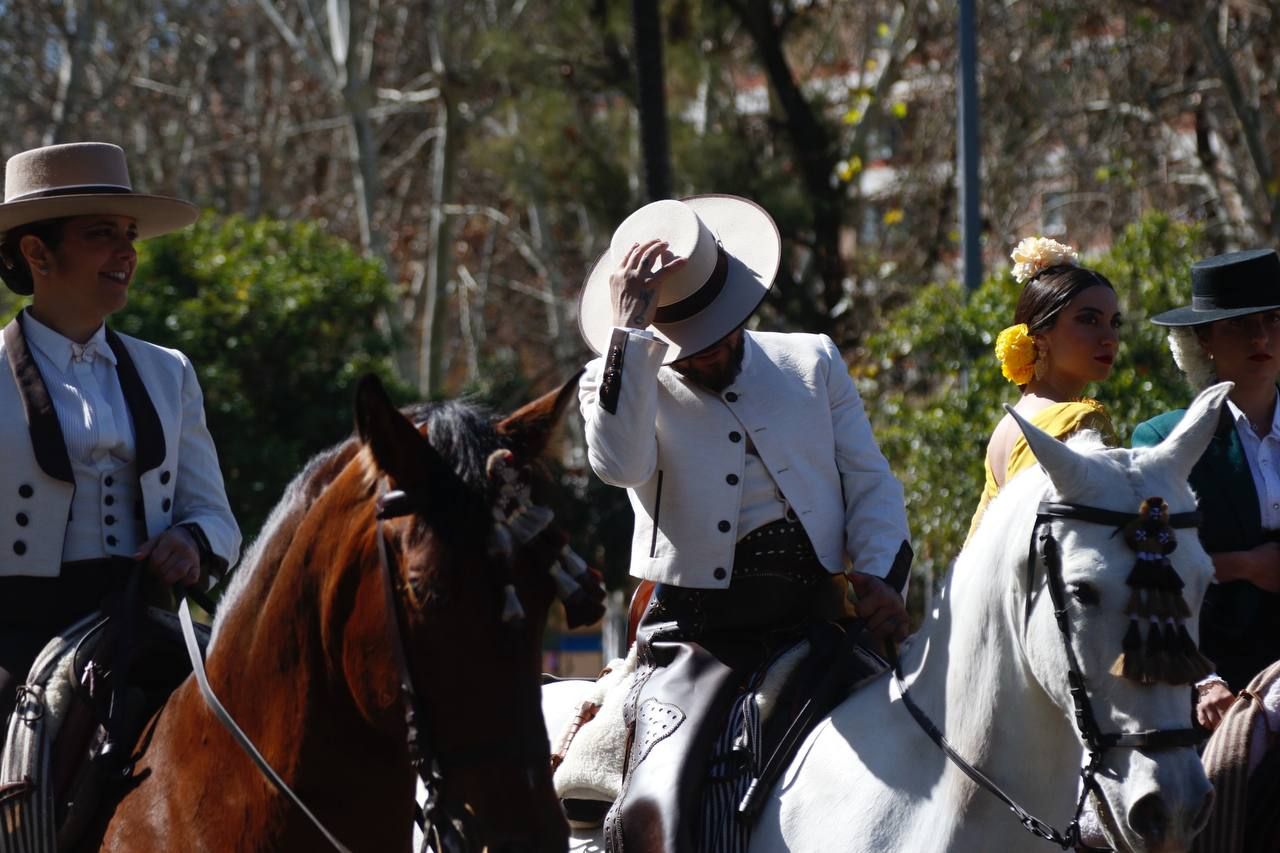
point(1183, 447)
point(529, 428)
point(1066, 468)
point(400, 451)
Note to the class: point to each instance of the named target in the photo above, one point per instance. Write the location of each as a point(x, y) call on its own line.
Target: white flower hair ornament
point(1034, 255)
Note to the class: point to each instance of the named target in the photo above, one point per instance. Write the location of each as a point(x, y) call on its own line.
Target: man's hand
point(173, 557)
point(634, 285)
point(1266, 566)
point(1212, 701)
point(881, 606)
point(1259, 566)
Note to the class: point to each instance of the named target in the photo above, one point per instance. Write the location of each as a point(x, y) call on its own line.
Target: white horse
point(989, 667)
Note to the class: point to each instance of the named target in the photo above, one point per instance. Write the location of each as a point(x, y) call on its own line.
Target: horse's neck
point(967, 670)
point(279, 669)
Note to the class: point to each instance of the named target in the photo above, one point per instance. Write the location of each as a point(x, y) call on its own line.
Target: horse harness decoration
point(517, 521)
point(1150, 533)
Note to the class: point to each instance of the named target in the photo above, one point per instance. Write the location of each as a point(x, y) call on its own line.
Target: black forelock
point(461, 432)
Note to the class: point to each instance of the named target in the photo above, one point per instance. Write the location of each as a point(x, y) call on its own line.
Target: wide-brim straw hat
point(732, 247)
point(1226, 286)
point(83, 179)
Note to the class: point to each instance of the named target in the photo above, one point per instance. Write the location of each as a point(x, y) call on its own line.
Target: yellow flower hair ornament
point(1016, 352)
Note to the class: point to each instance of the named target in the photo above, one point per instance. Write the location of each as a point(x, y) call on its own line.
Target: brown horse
point(302, 655)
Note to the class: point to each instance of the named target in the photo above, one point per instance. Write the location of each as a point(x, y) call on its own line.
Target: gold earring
point(1042, 361)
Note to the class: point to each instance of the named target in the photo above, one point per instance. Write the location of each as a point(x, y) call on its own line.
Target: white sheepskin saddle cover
point(592, 768)
point(592, 765)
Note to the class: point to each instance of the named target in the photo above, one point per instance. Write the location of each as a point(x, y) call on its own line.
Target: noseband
point(1095, 740)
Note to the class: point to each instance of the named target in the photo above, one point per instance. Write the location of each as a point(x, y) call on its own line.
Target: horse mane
point(277, 531)
point(462, 432)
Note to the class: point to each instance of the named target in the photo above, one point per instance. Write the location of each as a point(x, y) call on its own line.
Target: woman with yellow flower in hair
point(1064, 336)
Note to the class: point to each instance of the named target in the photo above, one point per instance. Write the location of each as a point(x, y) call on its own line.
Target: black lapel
point(42, 421)
point(148, 434)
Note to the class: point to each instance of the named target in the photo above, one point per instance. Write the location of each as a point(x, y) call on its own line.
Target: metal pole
point(652, 98)
point(969, 159)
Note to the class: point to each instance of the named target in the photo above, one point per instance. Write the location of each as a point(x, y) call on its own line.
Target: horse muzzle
point(1159, 818)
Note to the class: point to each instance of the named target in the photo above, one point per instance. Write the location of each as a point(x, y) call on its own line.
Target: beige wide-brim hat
point(84, 179)
point(733, 250)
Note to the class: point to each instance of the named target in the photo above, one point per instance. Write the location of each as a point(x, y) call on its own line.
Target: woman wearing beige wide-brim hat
point(108, 462)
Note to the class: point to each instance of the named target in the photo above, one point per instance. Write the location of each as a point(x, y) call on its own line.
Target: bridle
point(443, 831)
point(1096, 741)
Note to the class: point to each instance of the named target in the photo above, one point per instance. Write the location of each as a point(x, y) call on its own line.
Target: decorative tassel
point(1169, 576)
point(566, 586)
point(1157, 603)
point(1145, 574)
point(512, 612)
point(1157, 656)
point(1156, 595)
point(1129, 663)
point(528, 521)
point(1200, 666)
point(1137, 605)
point(1176, 663)
point(585, 606)
point(500, 544)
point(575, 564)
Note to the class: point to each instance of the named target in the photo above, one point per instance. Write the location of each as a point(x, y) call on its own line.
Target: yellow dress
point(1060, 420)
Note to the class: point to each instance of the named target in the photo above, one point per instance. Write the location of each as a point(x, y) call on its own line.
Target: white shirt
point(762, 500)
point(1263, 455)
point(98, 431)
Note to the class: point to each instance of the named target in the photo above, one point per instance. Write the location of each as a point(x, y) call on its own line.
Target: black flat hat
point(1229, 285)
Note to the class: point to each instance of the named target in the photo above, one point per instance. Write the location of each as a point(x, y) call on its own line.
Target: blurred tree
point(934, 390)
point(485, 151)
point(275, 317)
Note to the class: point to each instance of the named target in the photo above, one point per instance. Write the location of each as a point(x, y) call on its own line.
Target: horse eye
point(1085, 593)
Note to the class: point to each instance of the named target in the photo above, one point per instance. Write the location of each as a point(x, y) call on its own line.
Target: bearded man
point(757, 488)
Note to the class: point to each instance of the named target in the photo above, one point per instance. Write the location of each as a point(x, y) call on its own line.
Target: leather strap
point(238, 735)
point(1030, 822)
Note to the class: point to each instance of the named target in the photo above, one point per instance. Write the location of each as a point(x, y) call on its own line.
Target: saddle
point(804, 681)
point(76, 719)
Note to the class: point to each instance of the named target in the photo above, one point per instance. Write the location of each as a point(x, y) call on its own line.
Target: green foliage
point(934, 390)
point(280, 321)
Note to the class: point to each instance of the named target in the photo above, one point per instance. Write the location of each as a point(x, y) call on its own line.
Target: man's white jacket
point(680, 452)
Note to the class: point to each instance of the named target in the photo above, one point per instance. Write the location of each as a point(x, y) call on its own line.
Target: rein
point(390, 505)
point(1096, 741)
point(237, 734)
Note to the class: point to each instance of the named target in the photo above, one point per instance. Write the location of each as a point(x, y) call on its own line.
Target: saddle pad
point(592, 764)
point(591, 768)
point(27, 809)
point(49, 790)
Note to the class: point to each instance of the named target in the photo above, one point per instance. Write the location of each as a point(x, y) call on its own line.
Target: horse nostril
point(1149, 818)
point(1203, 813)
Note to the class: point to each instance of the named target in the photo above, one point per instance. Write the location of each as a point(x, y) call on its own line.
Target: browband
point(1111, 517)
